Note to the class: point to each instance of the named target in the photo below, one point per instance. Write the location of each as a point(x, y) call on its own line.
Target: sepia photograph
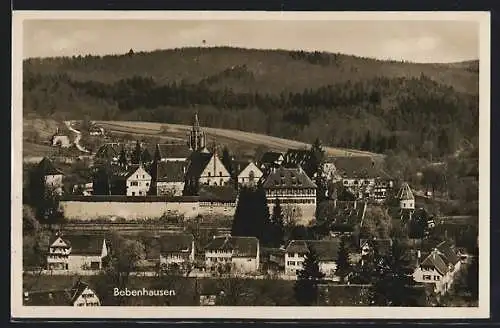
point(250, 164)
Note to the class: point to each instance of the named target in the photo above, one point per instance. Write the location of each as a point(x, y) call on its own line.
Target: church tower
point(197, 138)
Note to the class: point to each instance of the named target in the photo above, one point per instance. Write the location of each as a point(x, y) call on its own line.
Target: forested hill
point(346, 101)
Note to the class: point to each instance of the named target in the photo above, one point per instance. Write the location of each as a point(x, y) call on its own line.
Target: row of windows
point(293, 201)
point(137, 183)
point(210, 174)
point(356, 182)
point(281, 192)
point(293, 263)
point(219, 259)
point(429, 277)
point(89, 304)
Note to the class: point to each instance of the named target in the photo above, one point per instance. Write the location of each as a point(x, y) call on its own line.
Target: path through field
point(178, 130)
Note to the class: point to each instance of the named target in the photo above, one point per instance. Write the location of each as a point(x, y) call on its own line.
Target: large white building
point(77, 253)
point(239, 254)
point(296, 193)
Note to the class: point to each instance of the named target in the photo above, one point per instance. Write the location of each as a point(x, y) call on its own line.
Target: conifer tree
point(277, 228)
point(136, 154)
point(306, 286)
point(343, 265)
point(122, 159)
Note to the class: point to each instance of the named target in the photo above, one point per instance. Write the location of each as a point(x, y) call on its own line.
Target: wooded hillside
point(424, 109)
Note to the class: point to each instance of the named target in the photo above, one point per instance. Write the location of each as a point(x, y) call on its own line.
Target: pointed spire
point(405, 192)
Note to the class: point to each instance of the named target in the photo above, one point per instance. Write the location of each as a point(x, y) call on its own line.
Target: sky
point(411, 40)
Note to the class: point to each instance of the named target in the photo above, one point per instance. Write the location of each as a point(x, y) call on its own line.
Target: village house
point(85, 189)
point(405, 197)
point(246, 173)
point(216, 200)
point(60, 140)
point(206, 169)
point(363, 176)
point(77, 253)
point(79, 295)
point(295, 191)
point(133, 180)
point(52, 177)
point(166, 249)
point(326, 251)
point(109, 153)
point(171, 152)
point(168, 178)
point(269, 160)
point(240, 254)
point(439, 267)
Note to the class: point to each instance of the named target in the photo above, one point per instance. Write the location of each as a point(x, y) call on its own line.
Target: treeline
point(411, 114)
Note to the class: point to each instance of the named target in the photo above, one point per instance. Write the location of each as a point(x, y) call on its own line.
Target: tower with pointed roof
point(197, 138)
point(405, 197)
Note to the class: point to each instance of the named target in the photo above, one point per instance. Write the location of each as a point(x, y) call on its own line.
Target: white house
point(296, 193)
point(134, 180)
point(405, 197)
point(248, 174)
point(169, 177)
point(240, 254)
point(58, 255)
point(87, 252)
point(439, 267)
point(60, 140)
point(176, 248)
point(206, 169)
point(326, 251)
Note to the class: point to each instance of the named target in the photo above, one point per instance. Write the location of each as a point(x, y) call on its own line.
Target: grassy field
point(247, 139)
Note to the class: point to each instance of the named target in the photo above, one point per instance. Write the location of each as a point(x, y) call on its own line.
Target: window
point(140, 193)
point(134, 183)
point(133, 193)
point(209, 174)
point(437, 278)
point(94, 265)
point(147, 184)
point(346, 182)
point(221, 182)
point(426, 277)
point(220, 173)
point(143, 176)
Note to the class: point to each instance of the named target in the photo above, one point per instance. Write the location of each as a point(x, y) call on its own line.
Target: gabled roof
point(109, 151)
point(197, 162)
point(241, 246)
point(76, 291)
point(448, 251)
point(128, 172)
point(85, 244)
point(239, 165)
point(270, 157)
point(436, 261)
point(217, 193)
point(326, 250)
point(46, 167)
point(288, 178)
point(357, 167)
point(170, 171)
point(172, 151)
point(405, 193)
point(167, 243)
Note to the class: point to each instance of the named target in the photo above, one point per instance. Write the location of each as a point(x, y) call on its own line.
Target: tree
point(306, 286)
point(276, 229)
point(251, 217)
point(343, 264)
point(30, 223)
point(392, 281)
point(122, 259)
point(136, 156)
point(122, 159)
point(473, 275)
